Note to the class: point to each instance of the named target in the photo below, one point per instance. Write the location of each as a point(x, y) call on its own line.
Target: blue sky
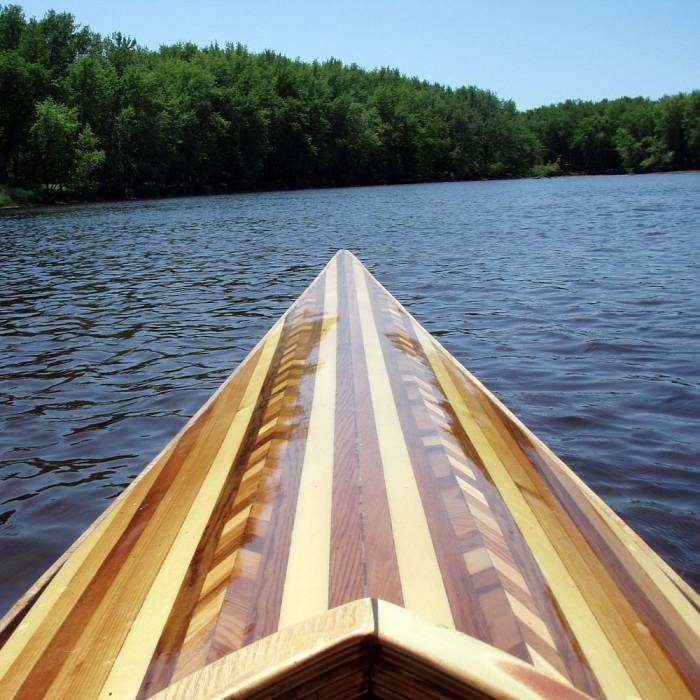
point(534, 52)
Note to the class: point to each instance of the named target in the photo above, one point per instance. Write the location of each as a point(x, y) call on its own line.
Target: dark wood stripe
point(347, 580)
point(382, 570)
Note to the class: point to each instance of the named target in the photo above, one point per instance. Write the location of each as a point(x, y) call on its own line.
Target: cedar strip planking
point(250, 526)
point(619, 568)
point(379, 551)
point(247, 532)
point(618, 620)
point(137, 649)
point(347, 580)
point(502, 629)
point(82, 545)
point(516, 548)
point(573, 553)
point(266, 592)
point(113, 599)
point(528, 454)
point(578, 668)
point(606, 664)
point(503, 635)
point(666, 581)
point(467, 613)
point(170, 643)
point(228, 629)
point(60, 595)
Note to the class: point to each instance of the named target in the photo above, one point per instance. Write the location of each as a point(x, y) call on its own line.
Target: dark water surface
point(576, 300)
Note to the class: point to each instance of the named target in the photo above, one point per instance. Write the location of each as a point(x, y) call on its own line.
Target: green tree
point(54, 42)
point(691, 128)
point(12, 25)
point(631, 151)
point(91, 86)
point(593, 141)
point(52, 141)
point(106, 115)
point(16, 100)
point(88, 158)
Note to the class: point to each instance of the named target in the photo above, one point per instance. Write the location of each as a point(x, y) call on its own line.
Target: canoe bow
point(354, 514)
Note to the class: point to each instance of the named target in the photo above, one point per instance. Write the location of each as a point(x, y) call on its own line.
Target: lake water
point(577, 300)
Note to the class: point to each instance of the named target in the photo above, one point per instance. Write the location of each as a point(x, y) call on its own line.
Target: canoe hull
point(350, 457)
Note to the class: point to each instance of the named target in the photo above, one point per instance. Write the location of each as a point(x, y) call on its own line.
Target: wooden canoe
point(353, 514)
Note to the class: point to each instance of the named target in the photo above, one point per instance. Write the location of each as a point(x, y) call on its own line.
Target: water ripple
point(576, 300)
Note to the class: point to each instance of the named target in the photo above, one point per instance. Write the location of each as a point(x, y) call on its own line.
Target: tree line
point(87, 115)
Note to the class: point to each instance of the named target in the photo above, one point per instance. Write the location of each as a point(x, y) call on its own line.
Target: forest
point(85, 116)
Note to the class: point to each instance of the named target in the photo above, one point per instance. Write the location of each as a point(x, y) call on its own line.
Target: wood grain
point(422, 584)
point(371, 648)
point(306, 582)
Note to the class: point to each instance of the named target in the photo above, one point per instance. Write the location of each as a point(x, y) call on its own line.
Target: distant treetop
point(92, 115)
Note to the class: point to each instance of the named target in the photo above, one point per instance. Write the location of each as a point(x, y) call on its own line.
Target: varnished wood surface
point(370, 648)
point(351, 457)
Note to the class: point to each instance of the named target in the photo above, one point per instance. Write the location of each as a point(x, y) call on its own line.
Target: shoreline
point(302, 188)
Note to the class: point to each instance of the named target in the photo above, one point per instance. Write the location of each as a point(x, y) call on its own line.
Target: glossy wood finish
point(351, 457)
point(370, 648)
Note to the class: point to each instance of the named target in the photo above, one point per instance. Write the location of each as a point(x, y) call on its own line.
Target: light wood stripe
point(130, 666)
point(471, 491)
point(422, 584)
point(606, 664)
point(531, 620)
point(305, 592)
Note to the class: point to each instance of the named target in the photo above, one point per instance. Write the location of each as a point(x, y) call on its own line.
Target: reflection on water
point(576, 300)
